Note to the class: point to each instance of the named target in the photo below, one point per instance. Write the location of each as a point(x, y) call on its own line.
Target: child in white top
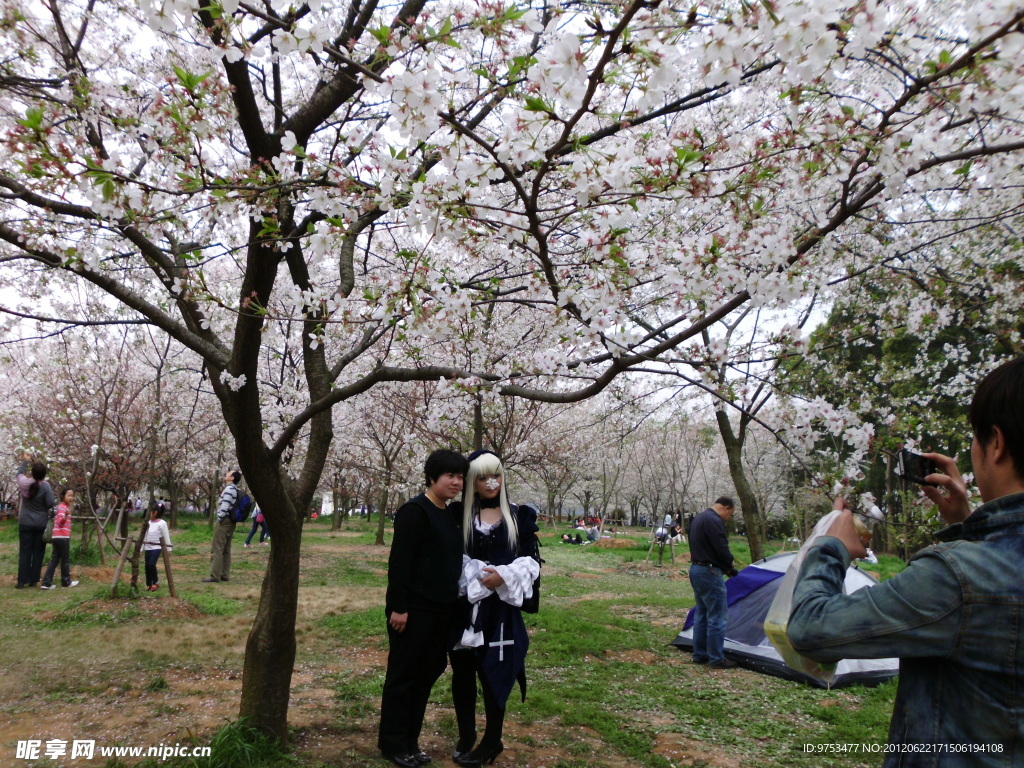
point(157, 530)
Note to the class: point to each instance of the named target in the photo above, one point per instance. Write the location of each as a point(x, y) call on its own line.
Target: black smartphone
point(915, 467)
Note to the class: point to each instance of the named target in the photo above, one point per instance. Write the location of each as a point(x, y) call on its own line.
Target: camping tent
point(750, 594)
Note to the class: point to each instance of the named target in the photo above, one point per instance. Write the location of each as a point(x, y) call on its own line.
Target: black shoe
point(210, 580)
point(462, 754)
point(482, 755)
point(724, 664)
point(405, 761)
point(421, 757)
point(702, 662)
point(224, 578)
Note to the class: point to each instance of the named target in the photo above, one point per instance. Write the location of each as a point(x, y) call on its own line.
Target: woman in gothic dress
point(499, 569)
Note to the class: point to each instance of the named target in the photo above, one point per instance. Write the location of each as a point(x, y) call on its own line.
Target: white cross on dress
point(501, 642)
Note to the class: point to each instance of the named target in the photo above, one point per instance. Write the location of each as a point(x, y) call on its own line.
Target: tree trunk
point(478, 424)
point(384, 502)
point(270, 649)
point(173, 501)
point(340, 509)
point(748, 501)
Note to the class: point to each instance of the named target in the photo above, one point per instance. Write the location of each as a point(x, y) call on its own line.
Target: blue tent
point(750, 594)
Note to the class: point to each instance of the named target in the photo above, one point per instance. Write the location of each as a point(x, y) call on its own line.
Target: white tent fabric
point(750, 594)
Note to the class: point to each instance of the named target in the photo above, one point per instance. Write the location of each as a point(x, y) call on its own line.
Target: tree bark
point(270, 648)
point(340, 508)
point(752, 516)
point(388, 469)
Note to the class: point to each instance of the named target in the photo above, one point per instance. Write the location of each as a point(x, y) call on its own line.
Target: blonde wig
point(485, 464)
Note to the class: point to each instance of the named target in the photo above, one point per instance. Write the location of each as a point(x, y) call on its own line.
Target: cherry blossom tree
point(316, 200)
point(902, 351)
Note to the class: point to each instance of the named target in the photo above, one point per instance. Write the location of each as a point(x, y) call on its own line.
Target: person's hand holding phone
point(947, 489)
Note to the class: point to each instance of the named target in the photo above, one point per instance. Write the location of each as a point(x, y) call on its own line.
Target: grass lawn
point(606, 690)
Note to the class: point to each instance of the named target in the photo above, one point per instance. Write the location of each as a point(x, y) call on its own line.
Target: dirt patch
point(315, 602)
point(677, 571)
point(683, 751)
point(101, 573)
point(615, 543)
point(169, 608)
point(634, 656)
point(364, 659)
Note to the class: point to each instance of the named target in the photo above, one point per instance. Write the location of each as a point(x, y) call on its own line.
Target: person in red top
point(61, 543)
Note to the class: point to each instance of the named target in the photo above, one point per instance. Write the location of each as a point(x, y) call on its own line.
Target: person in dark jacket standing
point(423, 585)
point(36, 501)
point(710, 561)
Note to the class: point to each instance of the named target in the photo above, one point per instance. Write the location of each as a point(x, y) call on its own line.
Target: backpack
point(529, 546)
point(243, 506)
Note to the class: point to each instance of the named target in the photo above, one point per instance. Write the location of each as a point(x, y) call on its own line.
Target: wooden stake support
point(661, 547)
point(135, 544)
point(120, 566)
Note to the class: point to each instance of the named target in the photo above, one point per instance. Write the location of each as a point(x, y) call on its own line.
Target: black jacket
point(426, 558)
point(708, 540)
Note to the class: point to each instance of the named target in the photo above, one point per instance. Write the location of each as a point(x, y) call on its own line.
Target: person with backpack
point(224, 528)
point(500, 568)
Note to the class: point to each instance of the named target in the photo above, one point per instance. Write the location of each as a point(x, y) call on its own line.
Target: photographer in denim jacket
point(955, 616)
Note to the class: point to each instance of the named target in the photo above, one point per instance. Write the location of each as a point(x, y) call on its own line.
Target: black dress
point(500, 660)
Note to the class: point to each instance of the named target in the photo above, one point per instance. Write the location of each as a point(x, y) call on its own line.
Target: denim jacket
point(955, 619)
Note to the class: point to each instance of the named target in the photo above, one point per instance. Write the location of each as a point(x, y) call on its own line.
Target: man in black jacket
point(710, 560)
point(423, 584)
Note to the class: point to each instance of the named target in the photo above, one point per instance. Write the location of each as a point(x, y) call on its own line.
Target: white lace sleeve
point(469, 580)
point(519, 576)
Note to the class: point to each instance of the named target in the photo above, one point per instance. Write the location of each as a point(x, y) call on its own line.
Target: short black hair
point(999, 402)
point(726, 501)
point(441, 462)
point(236, 476)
